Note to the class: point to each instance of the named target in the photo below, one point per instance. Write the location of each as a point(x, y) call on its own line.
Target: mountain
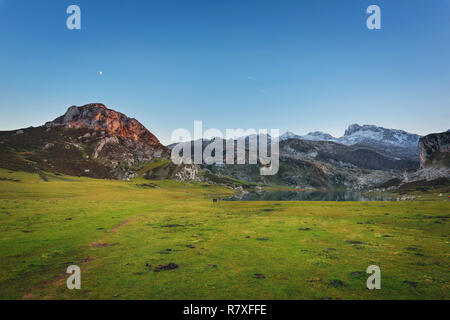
point(99, 118)
point(289, 135)
point(98, 142)
point(434, 172)
point(322, 165)
point(91, 141)
point(434, 150)
point(312, 136)
point(364, 157)
point(319, 136)
point(380, 137)
point(396, 143)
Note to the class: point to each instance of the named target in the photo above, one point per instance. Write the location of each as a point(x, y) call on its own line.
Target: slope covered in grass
point(120, 233)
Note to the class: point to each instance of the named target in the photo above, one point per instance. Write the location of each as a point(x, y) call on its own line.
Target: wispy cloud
point(249, 77)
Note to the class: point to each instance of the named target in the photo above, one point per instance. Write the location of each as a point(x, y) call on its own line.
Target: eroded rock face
point(91, 141)
point(119, 143)
point(434, 149)
point(99, 118)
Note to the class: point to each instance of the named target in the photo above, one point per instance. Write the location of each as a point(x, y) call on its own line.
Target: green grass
point(115, 231)
point(152, 165)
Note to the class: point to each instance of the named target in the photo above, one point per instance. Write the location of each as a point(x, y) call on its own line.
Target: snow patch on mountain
point(362, 134)
point(370, 133)
point(312, 136)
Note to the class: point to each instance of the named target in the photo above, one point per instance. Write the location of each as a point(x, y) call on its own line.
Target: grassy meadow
point(119, 233)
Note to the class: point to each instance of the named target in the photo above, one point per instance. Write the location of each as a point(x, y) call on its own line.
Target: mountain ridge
point(89, 140)
point(98, 117)
point(98, 142)
point(397, 143)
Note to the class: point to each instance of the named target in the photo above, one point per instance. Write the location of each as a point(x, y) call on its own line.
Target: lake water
point(309, 196)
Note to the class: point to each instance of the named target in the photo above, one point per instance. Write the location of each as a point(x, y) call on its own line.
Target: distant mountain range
point(98, 142)
point(394, 142)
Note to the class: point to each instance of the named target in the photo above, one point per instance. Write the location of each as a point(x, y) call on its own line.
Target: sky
point(266, 64)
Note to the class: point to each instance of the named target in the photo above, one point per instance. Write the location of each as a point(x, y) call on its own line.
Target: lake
point(309, 196)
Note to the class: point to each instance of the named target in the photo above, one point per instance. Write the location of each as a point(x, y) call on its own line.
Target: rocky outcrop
point(91, 141)
point(434, 150)
point(99, 118)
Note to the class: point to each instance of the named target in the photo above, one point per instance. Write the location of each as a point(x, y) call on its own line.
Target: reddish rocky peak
point(98, 117)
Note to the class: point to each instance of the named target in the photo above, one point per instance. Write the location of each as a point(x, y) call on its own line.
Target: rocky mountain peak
point(354, 128)
point(319, 135)
point(435, 149)
point(98, 117)
point(358, 134)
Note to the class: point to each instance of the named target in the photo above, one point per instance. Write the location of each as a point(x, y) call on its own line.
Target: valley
point(153, 239)
point(96, 189)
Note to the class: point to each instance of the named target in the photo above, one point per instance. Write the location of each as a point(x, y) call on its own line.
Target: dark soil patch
point(101, 245)
point(411, 283)
point(170, 266)
point(172, 226)
point(212, 265)
point(147, 186)
point(262, 239)
point(165, 251)
point(304, 229)
point(259, 276)
point(354, 242)
point(190, 246)
point(336, 283)
point(356, 274)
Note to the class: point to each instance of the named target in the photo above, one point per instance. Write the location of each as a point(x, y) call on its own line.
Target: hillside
point(90, 140)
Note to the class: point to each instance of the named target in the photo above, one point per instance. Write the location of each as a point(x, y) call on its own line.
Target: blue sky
point(293, 65)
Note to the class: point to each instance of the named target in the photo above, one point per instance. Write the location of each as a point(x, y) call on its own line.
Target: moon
point(100, 73)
